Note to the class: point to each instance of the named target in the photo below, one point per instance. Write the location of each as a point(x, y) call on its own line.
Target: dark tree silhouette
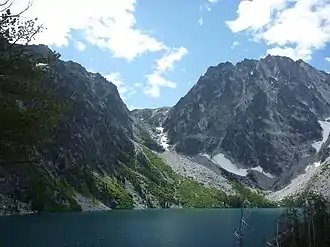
point(28, 107)
point(306, 222)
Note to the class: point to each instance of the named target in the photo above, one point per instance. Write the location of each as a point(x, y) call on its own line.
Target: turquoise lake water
point(137, 228)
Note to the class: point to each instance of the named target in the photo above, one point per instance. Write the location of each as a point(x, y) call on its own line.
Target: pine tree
point(29, 110)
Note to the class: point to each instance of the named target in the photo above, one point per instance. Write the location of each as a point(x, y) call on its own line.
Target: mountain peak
point(256, 113)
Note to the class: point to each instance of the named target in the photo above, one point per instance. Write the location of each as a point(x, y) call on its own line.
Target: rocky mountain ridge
point(93, 137)
point(255, 114)
point(101, 155)
point(241, 125)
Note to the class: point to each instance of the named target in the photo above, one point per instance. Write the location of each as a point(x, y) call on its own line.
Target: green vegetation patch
point(135, 178)
point(170, 188)
point(325, 167)
point(156, 161)
point(147, 141)
point(156, 183)
point(254, 199)
point(196, 195)
point(306, 221)
point(117, 191)
point(51, 194)
point(151, 178)
point(102, 188)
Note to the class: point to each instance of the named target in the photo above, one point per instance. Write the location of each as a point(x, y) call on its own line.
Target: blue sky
point(155, 50)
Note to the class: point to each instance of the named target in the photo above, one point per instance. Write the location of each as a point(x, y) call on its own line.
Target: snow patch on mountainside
point(326, 130)
point(315, 164)
point(227, 165)
point(259, 169)
point(162, 138)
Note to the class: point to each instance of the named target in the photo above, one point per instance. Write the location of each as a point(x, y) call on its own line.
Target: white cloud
point(166, 62)
point(290, 27)
point(91, 70)
point(137, 84)
point(133, 107)
point(327, 59)
point(200, 21)
point(115, 78)
point(253, 15)
point(131, 92)
point(205, 6)
point(80, 46)
point(235, 43)
point(124, 91)
point(109, 24)
point(156, 79)
point(295, 54)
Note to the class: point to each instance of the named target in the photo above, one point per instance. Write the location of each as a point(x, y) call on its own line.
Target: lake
point(137, 228)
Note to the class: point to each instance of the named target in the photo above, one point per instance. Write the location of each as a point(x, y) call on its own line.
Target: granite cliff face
point(255, 114)
point(151, 117)
point(90, 142)
point(97, 122)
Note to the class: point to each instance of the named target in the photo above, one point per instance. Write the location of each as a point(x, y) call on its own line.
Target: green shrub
point(117, 192)
point(253, 199)
point(50, 194)
point(307, 226)
point(196, 195)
